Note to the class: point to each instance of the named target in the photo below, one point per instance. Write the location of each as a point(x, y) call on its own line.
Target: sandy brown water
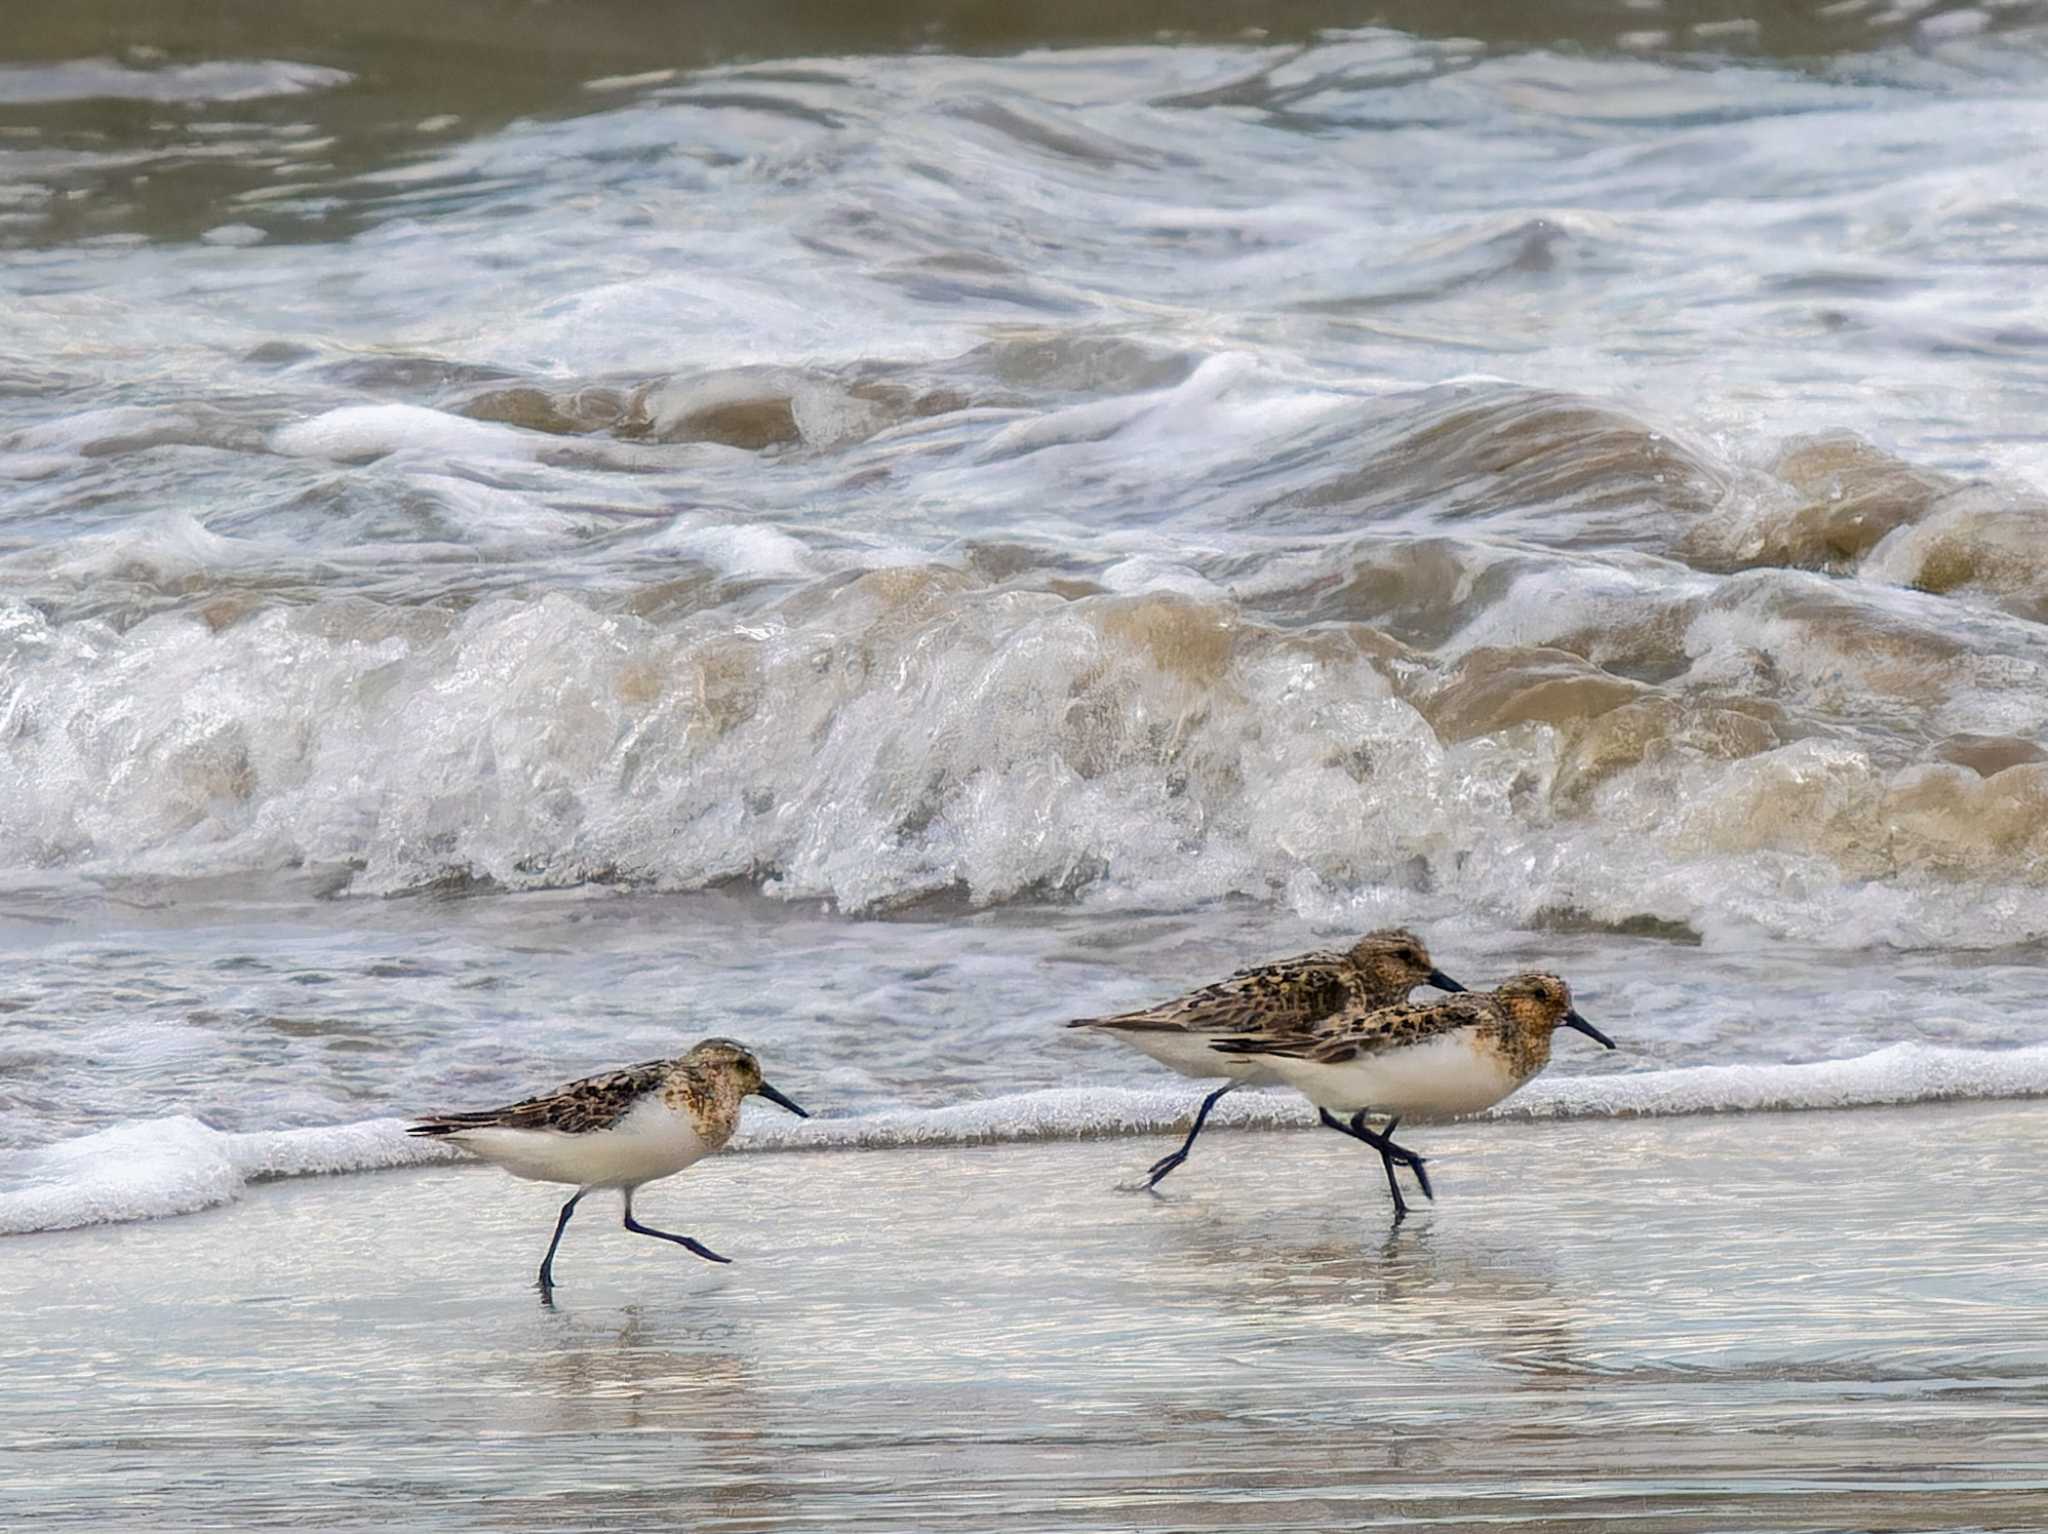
point(1772, 1322)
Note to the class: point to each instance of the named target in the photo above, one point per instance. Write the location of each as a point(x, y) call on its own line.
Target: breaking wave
point(1517, 730)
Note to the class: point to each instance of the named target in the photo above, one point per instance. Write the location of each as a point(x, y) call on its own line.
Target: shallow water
point(877, 533)
point(1775, 1322)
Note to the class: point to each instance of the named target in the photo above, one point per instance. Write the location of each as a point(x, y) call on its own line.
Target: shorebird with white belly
point(621, 1129)
point(1281, 998)
point(1440, 1060)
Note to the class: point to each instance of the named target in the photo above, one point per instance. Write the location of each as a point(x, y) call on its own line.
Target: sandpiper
point(1453, 1056)
point(617, 1130)
point(1282, 998)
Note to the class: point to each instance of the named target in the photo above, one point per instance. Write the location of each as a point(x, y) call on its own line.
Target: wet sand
point(1769, 1322)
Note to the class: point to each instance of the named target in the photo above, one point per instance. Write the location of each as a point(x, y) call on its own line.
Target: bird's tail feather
point(1133, 1022)
point(449, 1124)
point(1293, 1048)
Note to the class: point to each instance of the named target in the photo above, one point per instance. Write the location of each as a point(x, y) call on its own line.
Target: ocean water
point(532, 537)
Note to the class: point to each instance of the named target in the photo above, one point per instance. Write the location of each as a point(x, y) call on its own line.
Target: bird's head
point(1542, 1003)
point(738, 1065)
point(1393, 961)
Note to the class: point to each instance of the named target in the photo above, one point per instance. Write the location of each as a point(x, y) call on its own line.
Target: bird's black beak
point(1573, 1020)
point(780, 1101)
point(1443, 982)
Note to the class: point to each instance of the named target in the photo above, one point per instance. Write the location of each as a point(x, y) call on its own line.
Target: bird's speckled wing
point(1353, 1033)
point(1290, 994)
point(595, 1102)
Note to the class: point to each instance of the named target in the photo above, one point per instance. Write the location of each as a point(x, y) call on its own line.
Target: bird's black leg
point(1414, 1162)
point(1382, 1141)
point(1331, 1121)
point(1355, 1127)
point(1357, 1130)
point(1166, 1164)
point(1389, 1154)
point(1393, 1184)
point(1386, 1149)
point(688, 1243)
point(546, 1285)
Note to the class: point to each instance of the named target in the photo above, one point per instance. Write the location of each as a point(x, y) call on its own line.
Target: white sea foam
point(178, 1165)
point(358, 432)
point(745, 552)
point(1899, 1073)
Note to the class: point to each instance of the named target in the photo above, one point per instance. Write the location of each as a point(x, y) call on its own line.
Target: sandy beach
point(1810, 1321)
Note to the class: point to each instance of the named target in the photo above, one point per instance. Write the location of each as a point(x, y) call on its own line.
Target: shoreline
point(1648, 1323)
point(164, 1168)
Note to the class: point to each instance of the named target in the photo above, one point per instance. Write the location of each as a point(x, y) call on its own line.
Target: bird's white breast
point(1453, 1073)
point(650, 1141)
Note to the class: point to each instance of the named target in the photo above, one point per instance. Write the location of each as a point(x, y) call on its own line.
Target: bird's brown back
point(591, 1103)
point(1290, 993)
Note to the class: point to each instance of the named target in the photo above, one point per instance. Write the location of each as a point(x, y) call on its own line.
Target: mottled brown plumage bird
point(1439, 1059)
point(617, 1130)
point(1378, 970)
